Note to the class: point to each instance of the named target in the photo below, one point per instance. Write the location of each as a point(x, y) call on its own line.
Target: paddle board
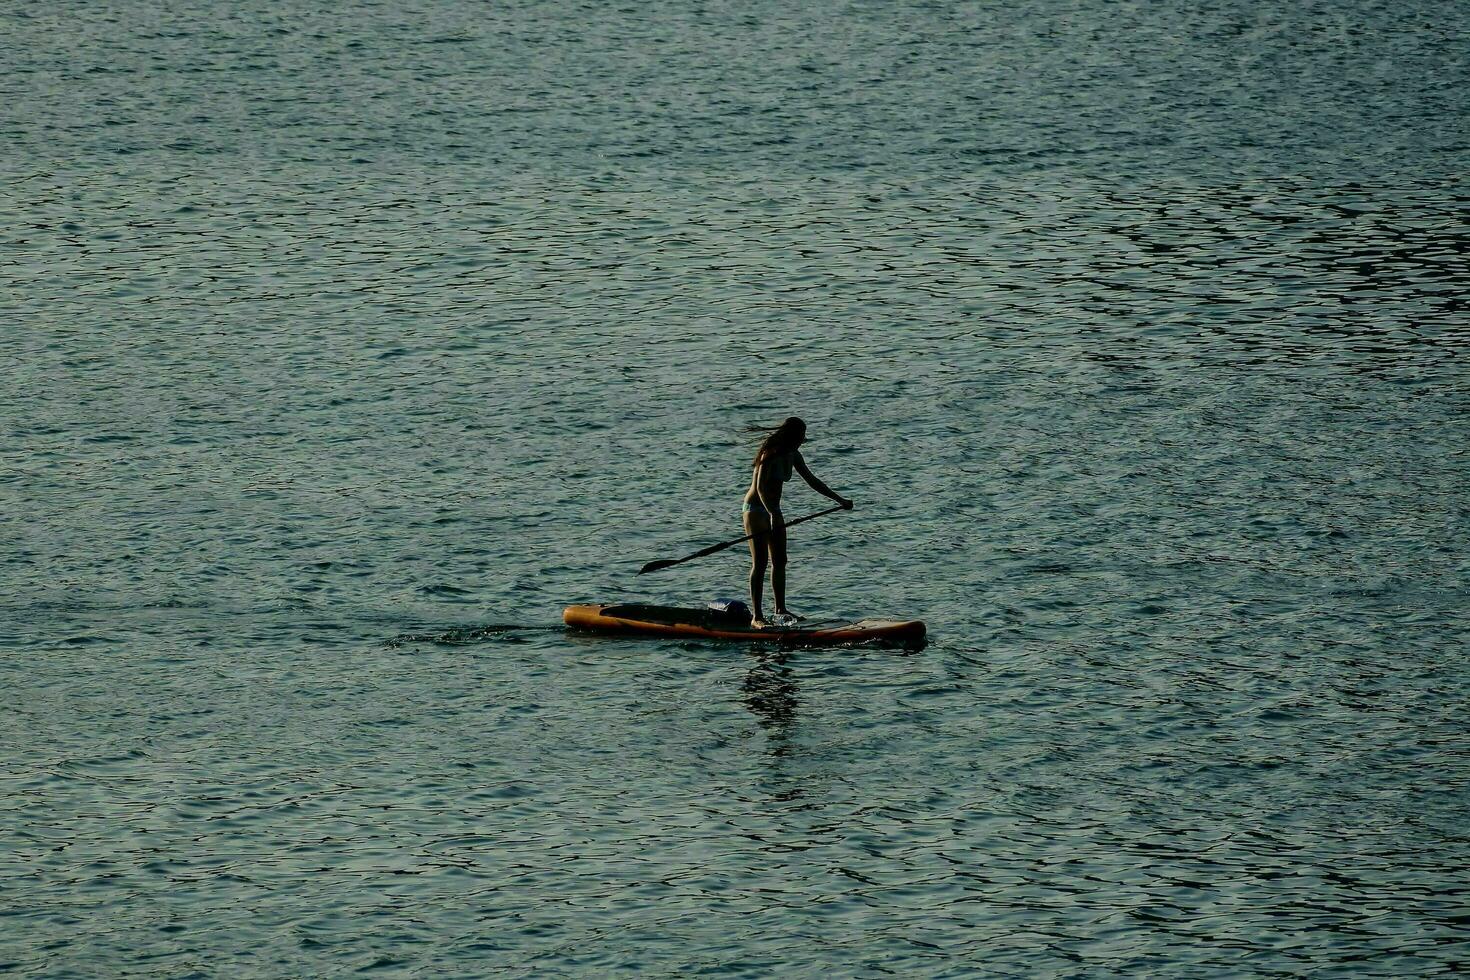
point(648, 620)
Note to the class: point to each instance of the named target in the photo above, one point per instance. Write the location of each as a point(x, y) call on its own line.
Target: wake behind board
point(647, 620)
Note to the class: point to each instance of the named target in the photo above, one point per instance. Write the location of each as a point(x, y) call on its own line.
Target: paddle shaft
point(654, 566)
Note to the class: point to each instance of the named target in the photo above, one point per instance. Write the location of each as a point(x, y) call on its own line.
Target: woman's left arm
point(818, 485)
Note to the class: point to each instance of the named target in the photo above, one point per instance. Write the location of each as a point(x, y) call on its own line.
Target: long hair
point(784, 438)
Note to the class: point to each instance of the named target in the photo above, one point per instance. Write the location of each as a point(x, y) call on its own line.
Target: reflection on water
point(771, 694)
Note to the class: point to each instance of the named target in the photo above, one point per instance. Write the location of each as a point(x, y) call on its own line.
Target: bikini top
point(783, 466)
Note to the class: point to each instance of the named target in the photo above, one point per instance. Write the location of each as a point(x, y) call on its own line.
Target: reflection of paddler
point(778, 458)
point(771, 693)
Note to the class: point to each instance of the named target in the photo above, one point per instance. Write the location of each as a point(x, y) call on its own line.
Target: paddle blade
point(654, 566)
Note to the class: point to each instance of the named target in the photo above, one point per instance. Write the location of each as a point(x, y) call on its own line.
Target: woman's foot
point(790, 615)
point(756, 623)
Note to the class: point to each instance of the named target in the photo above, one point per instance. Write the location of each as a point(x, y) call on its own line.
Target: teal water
point(344, 346)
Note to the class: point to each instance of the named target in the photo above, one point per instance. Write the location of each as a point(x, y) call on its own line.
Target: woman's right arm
point(817, 485)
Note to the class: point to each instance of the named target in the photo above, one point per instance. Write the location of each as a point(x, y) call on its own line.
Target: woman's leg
point(777, 548)
point(757, 526)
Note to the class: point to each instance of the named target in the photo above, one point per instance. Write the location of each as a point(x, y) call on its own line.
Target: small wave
point(462, 636)
point(443, 590)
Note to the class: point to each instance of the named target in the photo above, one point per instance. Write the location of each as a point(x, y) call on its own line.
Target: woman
point(778, 458)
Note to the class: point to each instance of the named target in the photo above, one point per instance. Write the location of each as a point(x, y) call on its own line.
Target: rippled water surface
point(345, 344)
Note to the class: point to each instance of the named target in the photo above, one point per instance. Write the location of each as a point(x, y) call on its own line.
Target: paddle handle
point(820, 513)
point(654, 566)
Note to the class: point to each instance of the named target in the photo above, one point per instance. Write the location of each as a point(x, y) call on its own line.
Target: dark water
point(345, 344)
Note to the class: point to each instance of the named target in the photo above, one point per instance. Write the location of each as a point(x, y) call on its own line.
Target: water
point(345, 346)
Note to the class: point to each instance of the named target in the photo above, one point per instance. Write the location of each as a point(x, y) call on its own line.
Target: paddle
point(654, 566)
